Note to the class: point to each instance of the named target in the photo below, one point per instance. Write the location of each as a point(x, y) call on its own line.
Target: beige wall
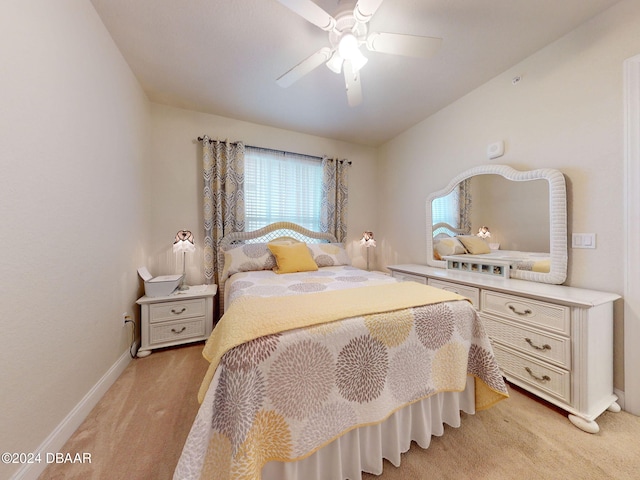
point(74, 130)
point(566, 113)
point(177, 179)
point(74, 209)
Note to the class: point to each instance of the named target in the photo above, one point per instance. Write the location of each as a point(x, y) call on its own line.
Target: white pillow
point(248, 257)
point(329, 254)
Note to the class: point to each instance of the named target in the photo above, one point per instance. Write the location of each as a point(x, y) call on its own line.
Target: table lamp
point(368, 241)
point(183, 243)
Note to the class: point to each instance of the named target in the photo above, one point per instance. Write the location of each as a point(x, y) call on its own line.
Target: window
point(281, 187)
point(447, 209)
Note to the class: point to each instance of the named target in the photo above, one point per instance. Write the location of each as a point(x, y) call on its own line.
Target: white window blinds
point(281, 187)
point(447, 209)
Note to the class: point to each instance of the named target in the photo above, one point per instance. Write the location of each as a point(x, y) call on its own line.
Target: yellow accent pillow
point(474, 245)
point(448, 246)
point(292, 258)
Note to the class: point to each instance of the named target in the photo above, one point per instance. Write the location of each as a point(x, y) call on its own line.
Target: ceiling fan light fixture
point(335, 63)
point(348, 46)
point(358, 61)
point(349, 49)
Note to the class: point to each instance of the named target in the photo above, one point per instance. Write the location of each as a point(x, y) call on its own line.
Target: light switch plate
point(583, 240)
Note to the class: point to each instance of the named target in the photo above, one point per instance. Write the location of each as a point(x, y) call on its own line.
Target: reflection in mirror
point(523, 213)
point(518, 212)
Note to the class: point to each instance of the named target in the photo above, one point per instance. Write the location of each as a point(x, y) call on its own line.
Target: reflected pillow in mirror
point(474, 245)
point(448, 246)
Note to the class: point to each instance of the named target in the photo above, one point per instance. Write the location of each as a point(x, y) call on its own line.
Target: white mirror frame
point(557, 217)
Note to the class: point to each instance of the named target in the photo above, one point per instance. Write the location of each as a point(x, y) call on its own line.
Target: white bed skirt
point(363, 449)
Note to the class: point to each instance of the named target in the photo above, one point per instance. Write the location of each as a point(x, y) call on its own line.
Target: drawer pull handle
point(173, 310)
point(545, 378)
point(179, 331)
point(546, 346)
point(522, 314)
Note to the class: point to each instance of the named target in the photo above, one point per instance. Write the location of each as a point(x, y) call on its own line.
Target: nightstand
point(182, 317)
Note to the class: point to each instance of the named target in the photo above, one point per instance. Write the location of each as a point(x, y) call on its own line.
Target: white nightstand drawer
point(544, 377)
point(166, 311)
point(170, 331)
point(543, 345)
point(552, 317)
point(407, 277)
point(471, 293)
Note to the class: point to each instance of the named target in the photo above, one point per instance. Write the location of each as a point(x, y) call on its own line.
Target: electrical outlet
point(125, 318)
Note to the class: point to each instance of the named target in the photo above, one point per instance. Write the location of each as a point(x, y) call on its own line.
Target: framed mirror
point(522, 216)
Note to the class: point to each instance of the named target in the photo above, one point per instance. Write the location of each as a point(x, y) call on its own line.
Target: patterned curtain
point(465, 205)
point(335, 182)
point(223, 168)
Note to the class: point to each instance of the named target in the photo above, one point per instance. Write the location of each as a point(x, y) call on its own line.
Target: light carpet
point(138, 429)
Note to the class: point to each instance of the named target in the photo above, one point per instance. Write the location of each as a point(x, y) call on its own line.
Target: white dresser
point(552, 340)
point(182, 317)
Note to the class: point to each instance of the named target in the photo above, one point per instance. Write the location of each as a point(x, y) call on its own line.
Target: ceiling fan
point(347, 33)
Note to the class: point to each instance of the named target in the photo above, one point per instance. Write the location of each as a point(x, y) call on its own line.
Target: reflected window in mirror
point(447, 209)
point(454, 209)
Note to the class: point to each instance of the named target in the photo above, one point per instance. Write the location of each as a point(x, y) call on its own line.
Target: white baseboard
point(59, 436)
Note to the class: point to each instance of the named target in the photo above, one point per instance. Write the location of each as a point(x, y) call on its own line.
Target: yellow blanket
point(255, 317)
point(543, 266)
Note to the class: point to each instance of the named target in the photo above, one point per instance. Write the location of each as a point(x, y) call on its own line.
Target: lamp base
point(183, 285)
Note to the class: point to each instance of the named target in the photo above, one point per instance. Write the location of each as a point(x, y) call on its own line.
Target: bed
point(323, 373)
point(453, 243)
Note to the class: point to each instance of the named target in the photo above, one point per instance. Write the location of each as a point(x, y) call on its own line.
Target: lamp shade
point(183, 242)
point(367, 240)
point(484, 232)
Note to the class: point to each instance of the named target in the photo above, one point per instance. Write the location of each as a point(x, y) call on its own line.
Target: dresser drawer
point(166, 311)
point(471, 293)
point(170, 331)
point(541, 376)
point(556, 318)
point(540, 344)
point(407, 277)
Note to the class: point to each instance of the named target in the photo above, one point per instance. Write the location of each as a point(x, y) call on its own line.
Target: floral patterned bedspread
point(266, 283)
point(284, 396)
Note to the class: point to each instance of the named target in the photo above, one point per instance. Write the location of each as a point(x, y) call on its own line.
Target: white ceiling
point(223, 57)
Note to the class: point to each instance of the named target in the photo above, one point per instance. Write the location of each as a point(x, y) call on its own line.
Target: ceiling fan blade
point(365, 9)
point(352, 79)
point(311, 12)
point(304, 67)
point(399, 44)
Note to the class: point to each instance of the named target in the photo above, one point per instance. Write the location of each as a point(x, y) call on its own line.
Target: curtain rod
point(201, 139)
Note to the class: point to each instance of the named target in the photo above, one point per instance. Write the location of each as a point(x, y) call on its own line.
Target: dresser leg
point(614, 407)
point(589, 426)
point(144, 353)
